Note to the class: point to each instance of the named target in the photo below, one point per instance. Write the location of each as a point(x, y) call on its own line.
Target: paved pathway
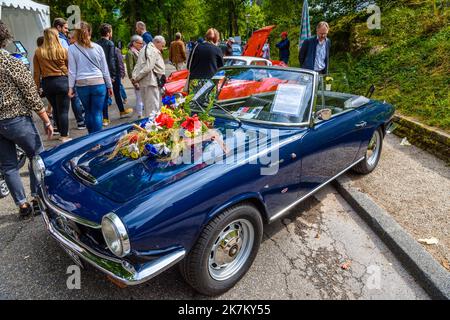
point(301, 257)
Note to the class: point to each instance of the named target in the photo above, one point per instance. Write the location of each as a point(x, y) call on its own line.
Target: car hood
point(256, 42)
point(122, 179)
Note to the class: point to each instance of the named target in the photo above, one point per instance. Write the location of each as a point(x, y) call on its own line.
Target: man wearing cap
point(315, 51)
point(284, 46)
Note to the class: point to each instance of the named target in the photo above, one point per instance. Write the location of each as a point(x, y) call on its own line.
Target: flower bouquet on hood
point(167, 133)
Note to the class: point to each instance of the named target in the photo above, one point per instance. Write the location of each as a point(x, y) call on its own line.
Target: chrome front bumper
point(118, 269)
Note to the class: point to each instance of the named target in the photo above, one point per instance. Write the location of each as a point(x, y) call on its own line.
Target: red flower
point(192, 124)
point(164, 120)
point(134, 139)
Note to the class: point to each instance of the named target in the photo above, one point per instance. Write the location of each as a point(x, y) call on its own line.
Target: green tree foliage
point(409, 52)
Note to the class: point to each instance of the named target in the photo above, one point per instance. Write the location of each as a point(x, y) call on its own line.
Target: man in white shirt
point(149, 68)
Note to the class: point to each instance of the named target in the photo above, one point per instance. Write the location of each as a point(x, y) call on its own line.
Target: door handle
point(362, 124)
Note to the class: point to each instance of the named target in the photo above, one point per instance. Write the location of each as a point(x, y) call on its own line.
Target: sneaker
point(56, 132)
point(65, 139)
point(127, 113)
point(106, 122)
point(26, 211)
point(81, 126)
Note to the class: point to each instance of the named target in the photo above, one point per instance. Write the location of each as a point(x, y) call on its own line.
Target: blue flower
point(143, 123)
point(168, 101)
point(150, 149)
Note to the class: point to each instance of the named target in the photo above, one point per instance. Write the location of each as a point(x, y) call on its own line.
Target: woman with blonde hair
point(206, 58)
point(50, 70)
point(89, 73)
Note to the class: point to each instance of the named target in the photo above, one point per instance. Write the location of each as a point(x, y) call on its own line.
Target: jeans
point(116, 88)
point(77, 108)
point(123, 93)
point(19, 131)
point(93, 99)
point(55, 89)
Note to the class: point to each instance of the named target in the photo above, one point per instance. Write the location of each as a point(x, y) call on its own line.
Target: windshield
point(234, 62)
point(260, 94)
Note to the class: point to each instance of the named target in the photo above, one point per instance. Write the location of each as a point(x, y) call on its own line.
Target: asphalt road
point(301, 257)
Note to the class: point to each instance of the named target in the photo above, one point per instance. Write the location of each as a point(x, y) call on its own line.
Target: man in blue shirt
point(284, 46)
point(141, 30)
point(63, 28)
point(315, 51)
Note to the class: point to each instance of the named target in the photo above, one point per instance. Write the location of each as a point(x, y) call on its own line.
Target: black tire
point(4, 191)
point(369, 164)
point(195, 268)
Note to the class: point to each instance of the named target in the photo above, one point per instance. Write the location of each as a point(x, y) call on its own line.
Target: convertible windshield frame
point(315, 84)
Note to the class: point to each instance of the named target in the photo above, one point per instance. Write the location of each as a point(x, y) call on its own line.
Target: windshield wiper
point(216, 105)
point(198, 104)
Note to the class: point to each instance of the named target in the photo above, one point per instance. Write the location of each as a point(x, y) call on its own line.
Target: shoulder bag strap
point(89, 59)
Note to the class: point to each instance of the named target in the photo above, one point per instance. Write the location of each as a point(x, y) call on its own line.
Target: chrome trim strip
point(117, 270)
point(282, 212)
point(66, 214)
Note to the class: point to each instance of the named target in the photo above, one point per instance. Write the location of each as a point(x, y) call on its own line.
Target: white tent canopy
point(26, 20)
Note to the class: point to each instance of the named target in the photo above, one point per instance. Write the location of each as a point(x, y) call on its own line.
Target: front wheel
point(4, 191)
point(373, 154)
point(225, 250)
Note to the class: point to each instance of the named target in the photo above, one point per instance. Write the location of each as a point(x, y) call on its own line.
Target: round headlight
point(115, 235)
point(38, 168)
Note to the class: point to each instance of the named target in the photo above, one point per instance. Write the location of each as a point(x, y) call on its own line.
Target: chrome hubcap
point(4, 188)
point(373, 149)
point(231, 250)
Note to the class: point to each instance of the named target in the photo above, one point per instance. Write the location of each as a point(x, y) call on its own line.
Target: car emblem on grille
point(68, 227)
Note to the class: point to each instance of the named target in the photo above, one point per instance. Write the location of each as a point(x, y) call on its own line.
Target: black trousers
point(56, 89)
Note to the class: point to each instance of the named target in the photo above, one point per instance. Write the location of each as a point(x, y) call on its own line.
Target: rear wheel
point(373, 154)
point(225, 250)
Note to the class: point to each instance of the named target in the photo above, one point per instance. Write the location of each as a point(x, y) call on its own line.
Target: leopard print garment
point(18, 92)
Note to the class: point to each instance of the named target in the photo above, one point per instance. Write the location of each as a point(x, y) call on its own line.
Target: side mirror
point(324, 114)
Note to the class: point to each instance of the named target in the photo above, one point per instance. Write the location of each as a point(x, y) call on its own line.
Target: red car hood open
point(256, 42)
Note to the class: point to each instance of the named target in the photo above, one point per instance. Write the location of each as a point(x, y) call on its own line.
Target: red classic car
point(252, 55)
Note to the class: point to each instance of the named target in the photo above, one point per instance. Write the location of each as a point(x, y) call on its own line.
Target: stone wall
point(430, 139)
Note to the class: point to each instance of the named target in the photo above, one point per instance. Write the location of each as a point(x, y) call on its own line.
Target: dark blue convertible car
point(284, 140)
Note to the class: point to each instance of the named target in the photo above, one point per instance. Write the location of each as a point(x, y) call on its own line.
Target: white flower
point(162, 148)
point(179, 101)
point(133, 148)
point(153, 116)
point(152, 126)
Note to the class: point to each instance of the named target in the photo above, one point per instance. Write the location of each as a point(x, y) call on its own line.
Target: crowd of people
point(71, 70)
